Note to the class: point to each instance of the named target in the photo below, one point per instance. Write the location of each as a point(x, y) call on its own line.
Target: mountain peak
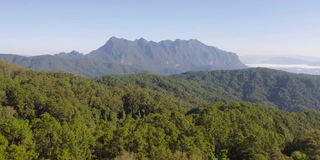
point(194, 40)
point(141, 40)
point(113, 38)
point(116, 39)
point(189, 41)
point(71, 54)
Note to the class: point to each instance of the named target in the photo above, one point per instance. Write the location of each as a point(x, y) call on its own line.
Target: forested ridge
point(287, 91)
point(62, 116)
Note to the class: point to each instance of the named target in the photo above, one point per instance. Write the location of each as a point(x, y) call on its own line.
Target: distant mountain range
point(121, 56)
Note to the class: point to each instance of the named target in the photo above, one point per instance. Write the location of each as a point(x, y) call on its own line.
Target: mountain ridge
point(122, 56)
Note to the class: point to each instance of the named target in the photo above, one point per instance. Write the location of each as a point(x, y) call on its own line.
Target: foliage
point(287, 91)
point(61, 116)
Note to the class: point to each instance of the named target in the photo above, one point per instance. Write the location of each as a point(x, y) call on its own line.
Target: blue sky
point(259, 27)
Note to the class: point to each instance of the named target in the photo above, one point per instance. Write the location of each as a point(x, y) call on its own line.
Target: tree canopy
point(62, 116)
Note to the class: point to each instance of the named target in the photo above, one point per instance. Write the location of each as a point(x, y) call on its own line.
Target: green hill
point(287, 91)
point(62, 116)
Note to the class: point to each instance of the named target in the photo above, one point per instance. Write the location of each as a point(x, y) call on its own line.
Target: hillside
point(62, 116)
point(291, 92)
point(121, 56)
point(260, 85)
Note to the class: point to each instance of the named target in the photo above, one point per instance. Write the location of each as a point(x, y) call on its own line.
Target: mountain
point(287, 91)
point(121, 56)
point(72, 54)
point(63, 116)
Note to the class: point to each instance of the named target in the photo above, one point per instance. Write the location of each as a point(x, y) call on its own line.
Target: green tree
point(47, 132)
point(297, 155)
point(308, 142)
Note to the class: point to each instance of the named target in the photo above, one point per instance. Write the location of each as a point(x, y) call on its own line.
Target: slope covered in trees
point(61, 116)
point(287, 91)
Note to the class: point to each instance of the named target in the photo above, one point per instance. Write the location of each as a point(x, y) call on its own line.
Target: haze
point(247, 27)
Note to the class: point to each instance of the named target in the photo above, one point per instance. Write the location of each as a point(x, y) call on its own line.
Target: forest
point(257, 114)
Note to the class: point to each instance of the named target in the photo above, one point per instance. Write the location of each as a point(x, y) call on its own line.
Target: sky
point(246, 27)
